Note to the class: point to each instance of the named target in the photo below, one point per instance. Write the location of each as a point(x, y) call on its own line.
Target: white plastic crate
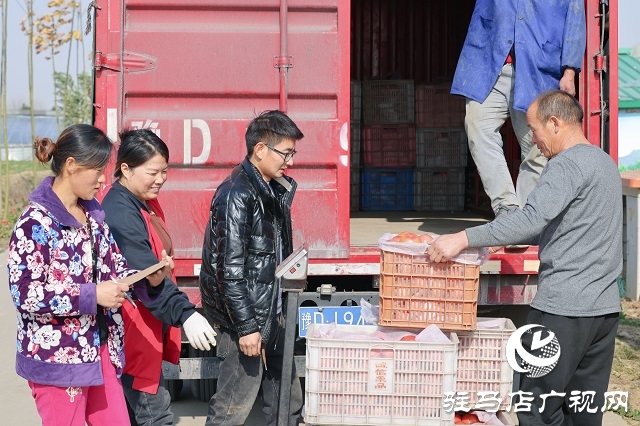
point(482, 362)
point(502, 416)
point(374, 382)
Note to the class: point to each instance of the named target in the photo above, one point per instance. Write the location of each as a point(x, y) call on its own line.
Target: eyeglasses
point(285, 155)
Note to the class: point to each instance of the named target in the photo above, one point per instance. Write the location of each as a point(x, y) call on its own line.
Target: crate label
point(349, 315)
point(381, 371)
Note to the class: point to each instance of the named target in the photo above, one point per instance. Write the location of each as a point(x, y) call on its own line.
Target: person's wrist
point(569, 72)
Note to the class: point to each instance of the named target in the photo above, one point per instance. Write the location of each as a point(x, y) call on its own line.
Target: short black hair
point(137, 147)
point(560, 104)
point(271, 127)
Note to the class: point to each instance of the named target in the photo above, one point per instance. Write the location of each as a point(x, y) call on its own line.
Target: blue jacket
point(549, 35)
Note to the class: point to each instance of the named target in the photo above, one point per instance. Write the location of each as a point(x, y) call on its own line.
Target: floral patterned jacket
point(51, 280)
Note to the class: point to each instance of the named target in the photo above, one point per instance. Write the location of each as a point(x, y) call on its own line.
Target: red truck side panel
point(197, 71)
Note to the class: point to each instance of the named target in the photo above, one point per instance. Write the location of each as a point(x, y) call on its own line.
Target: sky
point(17, 82)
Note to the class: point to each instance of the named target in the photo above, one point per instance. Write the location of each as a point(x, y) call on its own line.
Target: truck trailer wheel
point(174, 387)
point(202, 389)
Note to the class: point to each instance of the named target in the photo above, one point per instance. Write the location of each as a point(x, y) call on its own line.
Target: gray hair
point(559, 104)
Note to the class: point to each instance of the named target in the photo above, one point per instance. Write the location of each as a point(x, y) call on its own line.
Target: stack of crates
point(441, 144)
point(388, 145)
point(408, 146)
point(415, 293)
point(366, 381)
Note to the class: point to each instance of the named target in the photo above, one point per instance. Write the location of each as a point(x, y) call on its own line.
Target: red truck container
point(197, 71)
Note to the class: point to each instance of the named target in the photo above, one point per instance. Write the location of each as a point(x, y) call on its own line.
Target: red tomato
point(426, 238)
point(457, 419)
point(409, 338)
point(469, 419)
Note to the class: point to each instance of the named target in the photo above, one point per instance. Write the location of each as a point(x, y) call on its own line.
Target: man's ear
point(259, 150)
point(556, 123)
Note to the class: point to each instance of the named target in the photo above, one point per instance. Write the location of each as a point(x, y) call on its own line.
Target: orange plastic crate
point(415, 292)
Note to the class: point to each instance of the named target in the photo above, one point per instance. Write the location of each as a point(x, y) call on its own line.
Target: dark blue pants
point(242, 379)
point(586, 355)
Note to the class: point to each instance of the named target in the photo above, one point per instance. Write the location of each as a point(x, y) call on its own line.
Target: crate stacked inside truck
point(408, 146)
point(441, 145)
point(388, 145)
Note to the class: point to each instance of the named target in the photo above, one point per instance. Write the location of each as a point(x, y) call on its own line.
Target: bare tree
point(50, 34)
point(27, 27)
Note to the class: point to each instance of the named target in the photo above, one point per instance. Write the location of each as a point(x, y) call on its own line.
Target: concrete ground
point(18, 407)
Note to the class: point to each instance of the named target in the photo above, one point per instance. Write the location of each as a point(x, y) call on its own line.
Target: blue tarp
point(19, 129)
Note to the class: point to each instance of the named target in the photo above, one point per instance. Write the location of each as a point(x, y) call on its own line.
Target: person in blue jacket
point(514, 51)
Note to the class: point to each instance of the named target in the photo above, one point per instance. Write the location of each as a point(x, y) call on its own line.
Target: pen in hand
point(126, 295)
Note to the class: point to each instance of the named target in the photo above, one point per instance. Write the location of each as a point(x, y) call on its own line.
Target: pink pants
point(96, 405)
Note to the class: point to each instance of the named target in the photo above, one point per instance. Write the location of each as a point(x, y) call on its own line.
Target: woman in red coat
point(137, 223)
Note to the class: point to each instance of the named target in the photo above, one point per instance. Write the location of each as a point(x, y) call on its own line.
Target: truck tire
point(174, 387)
point(202, 389)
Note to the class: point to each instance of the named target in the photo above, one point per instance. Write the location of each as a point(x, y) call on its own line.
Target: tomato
point(426, 238)
point(409, 338)
point(457, 419)
point(469, 419)
point(396, 239)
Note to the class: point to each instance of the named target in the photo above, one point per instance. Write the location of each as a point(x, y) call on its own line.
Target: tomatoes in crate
point(410, 237)
point(465, 419)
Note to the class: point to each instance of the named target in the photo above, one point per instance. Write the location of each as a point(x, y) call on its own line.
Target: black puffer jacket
point(247, 227)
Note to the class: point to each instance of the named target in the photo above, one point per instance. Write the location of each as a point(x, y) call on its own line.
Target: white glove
point(199, 332)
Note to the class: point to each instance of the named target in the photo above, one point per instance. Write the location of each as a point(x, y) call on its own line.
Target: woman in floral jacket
point(63, 269)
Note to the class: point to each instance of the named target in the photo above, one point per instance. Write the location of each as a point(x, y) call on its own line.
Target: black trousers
point(586, 355)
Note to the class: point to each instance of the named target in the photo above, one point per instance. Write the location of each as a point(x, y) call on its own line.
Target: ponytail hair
point(87, 144)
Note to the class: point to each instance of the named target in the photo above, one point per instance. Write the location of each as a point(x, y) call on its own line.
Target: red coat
point(145, 345)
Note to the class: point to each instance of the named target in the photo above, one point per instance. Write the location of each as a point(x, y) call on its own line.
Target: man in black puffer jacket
point(247, 235)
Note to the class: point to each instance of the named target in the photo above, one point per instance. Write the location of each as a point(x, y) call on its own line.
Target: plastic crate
point(386, 189)
point(441, 148)
point(356, 102)
point(439, 189)
point(388, 102)
point(504, 418)
point(374, 382)
point(436, 107)
point(355, 189)
point(389, 146)
point(415, 292)
point(355, 150)
point(482, 362)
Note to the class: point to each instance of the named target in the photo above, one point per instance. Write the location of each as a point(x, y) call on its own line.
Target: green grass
point(624, 320)
point(631, 413)
point(6, 225)
point(20, 166)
